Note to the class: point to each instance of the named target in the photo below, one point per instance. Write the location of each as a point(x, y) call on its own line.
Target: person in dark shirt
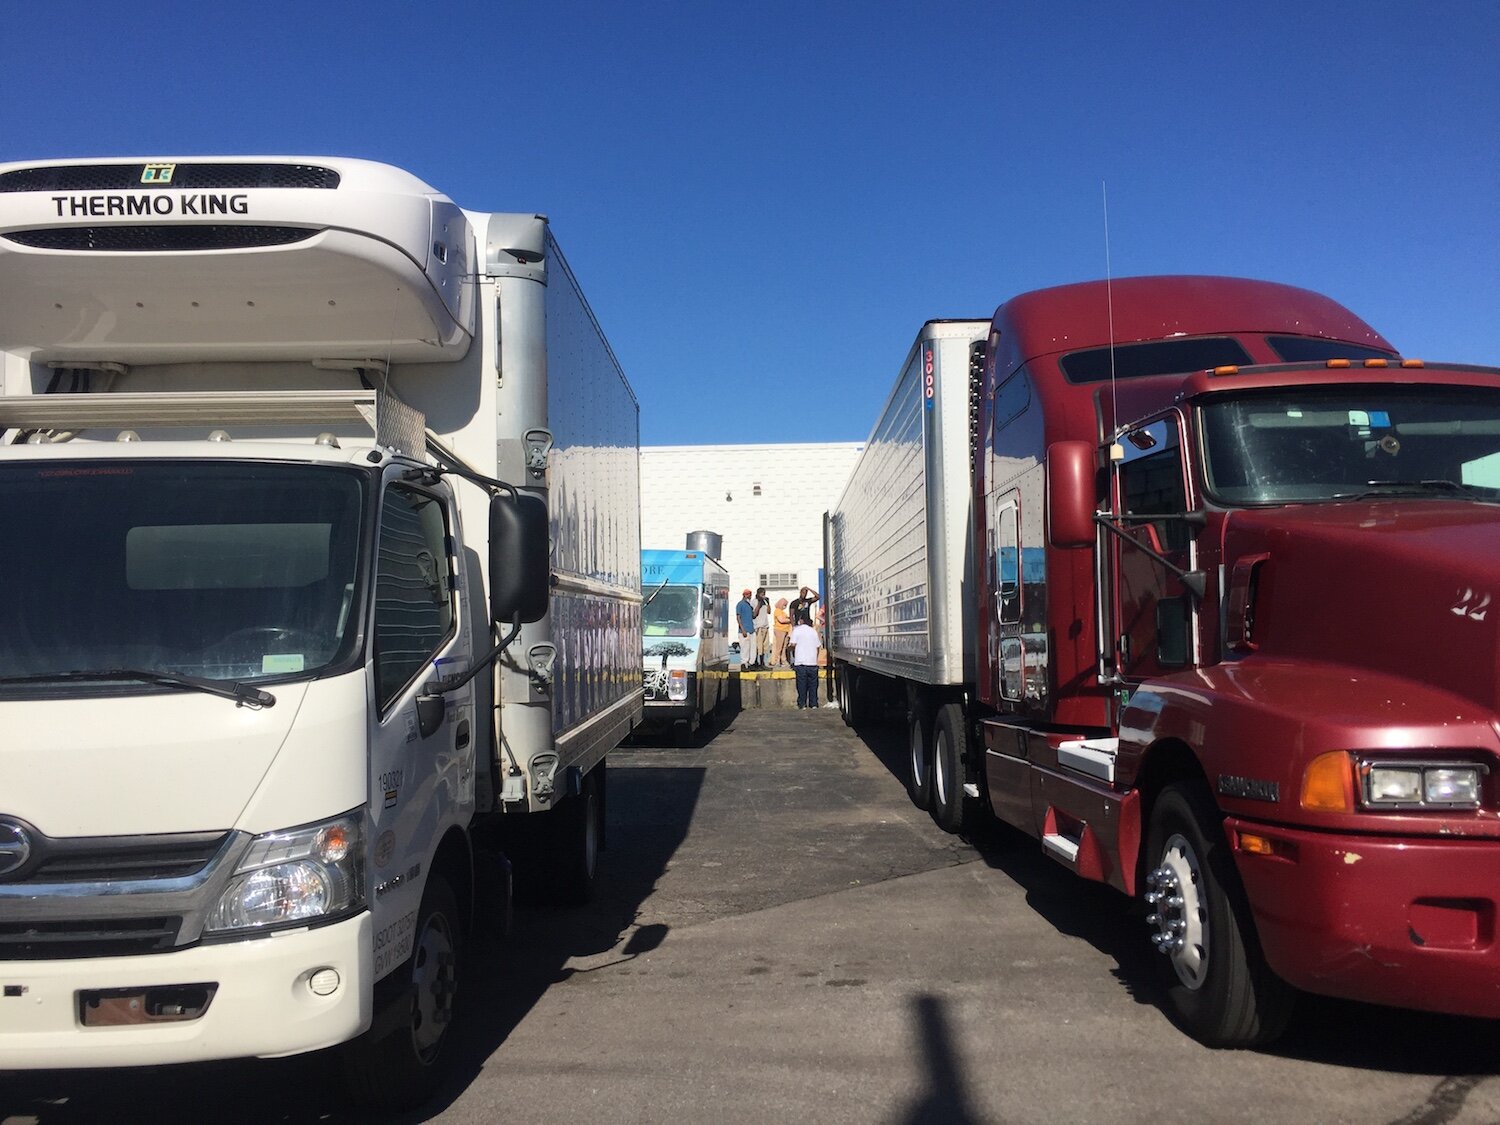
point(802, 607)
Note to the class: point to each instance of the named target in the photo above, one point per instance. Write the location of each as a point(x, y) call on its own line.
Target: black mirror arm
point(453, 683)
point(1194, 581)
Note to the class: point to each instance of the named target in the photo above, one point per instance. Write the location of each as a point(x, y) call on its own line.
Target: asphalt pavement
point(781, 936)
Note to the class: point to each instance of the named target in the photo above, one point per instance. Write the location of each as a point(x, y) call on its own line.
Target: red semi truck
point(1218, 629)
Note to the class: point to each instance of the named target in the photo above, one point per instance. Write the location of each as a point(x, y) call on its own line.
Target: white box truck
point(321, 577)
point(898, 560)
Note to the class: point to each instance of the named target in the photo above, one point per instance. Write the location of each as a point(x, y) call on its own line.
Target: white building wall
point(767, 501)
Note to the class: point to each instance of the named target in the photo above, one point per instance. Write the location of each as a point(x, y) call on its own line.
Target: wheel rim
point(918, 755)
point(940, 769)
point(434, 978)
point(1180, 911)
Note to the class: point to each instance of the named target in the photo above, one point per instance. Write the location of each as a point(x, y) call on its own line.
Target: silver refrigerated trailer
point(900, 567)
point(321, 604)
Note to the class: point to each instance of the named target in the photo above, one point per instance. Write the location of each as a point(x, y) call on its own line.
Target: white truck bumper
point(263, 1004)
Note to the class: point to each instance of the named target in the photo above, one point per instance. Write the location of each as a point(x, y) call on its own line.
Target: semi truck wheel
point(1218, 986)
point(919, 757)
point(394, 1065)
point(949, 748)
point(846, 696)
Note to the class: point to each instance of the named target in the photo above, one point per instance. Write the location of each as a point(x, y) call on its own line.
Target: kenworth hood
point(1407, 587)
point(171, 761)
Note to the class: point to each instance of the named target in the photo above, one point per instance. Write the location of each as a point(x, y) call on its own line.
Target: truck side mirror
point(520, 558)
point(1071, 499)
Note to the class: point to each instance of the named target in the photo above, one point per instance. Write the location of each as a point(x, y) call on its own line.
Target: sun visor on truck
point(231, 258)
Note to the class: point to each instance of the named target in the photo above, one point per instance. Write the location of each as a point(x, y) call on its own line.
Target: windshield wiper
point(1417, 487)
point(654, 592)
point(240, 693)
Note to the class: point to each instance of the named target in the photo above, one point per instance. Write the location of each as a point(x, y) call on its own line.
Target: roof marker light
point(1413, 363)
point(1338, 363)
point(1377, 363)
point(1227, 369)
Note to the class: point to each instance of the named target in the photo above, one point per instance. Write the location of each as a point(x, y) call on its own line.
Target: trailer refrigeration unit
point(1231, 645)
point(685, 621)
point(321, 604)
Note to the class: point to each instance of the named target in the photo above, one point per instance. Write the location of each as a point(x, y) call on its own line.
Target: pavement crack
point(1445, 1102)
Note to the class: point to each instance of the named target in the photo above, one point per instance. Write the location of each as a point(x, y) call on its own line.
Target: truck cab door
point(422, 744)
point(1152, 611)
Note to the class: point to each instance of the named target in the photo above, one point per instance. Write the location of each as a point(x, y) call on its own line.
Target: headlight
point(296, 876)
point(1420, 785)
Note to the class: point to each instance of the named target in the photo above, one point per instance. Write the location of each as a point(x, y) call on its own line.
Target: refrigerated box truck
point(685, 619)
point(322, 578)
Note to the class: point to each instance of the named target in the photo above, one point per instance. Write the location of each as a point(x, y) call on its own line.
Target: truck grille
point(56, 941)
point(133, 239)
point(106, 177)
point(129, 859)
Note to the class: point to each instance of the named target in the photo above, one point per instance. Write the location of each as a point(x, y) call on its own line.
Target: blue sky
point(764, 201)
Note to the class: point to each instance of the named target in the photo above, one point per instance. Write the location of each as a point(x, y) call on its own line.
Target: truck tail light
point(1328, 783)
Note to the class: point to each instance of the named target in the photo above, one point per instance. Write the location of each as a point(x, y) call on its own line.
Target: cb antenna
point(1115, 451)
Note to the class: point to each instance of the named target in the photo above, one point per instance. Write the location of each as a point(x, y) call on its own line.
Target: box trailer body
point(1232, 649)
point(275, 429)
point(900, 571)
point(685, 621)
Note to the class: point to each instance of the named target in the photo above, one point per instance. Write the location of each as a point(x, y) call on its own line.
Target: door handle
point(461, 737)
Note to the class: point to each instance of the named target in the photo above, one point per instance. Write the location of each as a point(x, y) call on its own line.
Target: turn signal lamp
point(1256, 844)
point(1328, 783)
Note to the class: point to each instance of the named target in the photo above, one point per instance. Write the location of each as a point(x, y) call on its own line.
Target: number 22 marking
point(1468, 607)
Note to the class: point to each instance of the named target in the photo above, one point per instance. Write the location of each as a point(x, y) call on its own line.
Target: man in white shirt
point(804, 642)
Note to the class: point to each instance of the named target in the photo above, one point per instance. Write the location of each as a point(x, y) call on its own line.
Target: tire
point(396, 1065)
point(951, 809)
point(919, 758)
point(576, 842)
point(846, 695)
point(1218, 986)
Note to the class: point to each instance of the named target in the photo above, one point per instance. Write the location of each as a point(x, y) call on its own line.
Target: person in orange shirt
point(781, 623)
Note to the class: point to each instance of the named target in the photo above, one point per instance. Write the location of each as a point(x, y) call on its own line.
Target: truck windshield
point(208, 569)
point(671, 612)
point(1334, 443)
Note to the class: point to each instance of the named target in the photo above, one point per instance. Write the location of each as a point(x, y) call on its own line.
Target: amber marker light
point(1413, 363)
point(1255, 845)
point(1328, 783)
point(1338, 363)
point(1227, 369)
point(1377, 363)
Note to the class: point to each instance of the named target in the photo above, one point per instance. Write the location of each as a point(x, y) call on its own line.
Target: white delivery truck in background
point(284, 656)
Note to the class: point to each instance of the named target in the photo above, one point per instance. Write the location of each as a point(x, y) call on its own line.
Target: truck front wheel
point(394, 1065)
point(1219, 988)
